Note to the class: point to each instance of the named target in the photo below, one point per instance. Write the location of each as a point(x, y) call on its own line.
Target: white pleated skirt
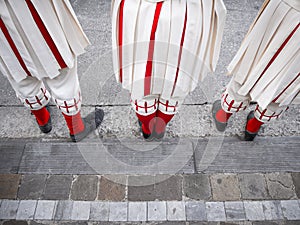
point(267, 65)
point(165, 47)
point(38, 38)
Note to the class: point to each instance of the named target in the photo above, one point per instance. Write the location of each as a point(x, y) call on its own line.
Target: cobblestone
point(280, 186)
point(26, 209)
point(64, 210)
point(32, 186)
point(80, 210)
point(291, 209)
point(118, 211)
point(99, 211)
point(176, 211)
point(137, 211)
point(45, 210)
point(254, 210)
point(296, 181)
point(110, 190)
point(272, 210)
point(84, 188)
point(157, 211)
point(197, 187)
point(235, 211)
point(9, 185)
point(9, 209)
point(215, 211)
point(253, 186)
point(58, 187)
point(195, 211)
point(225, 187)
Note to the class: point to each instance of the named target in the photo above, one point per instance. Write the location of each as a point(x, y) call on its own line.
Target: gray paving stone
point(215, 211)
point(99, 211)
point(272, 210)
point(235, 211)
point(45, 210)
point(225, 187)
point(118, 211)
point(58, 187)
point(266, 223)
point(9, 184)
point(254, 210)
point(32, 186)
point(112, 188)
point(280, 186)
point(176, 211)
point(157, 211)
point(138, 190)
point(14, 222)
point(137, 211)
point(80, 210)
point(169, 189)
point(63, 210)
point(11, 154)
point(253, 186)
point(291, 209)
point(84, 188)
point(195, 211)
point(296, 181)
point(197, 187)
point(291, 222)
point(9, 209)
point(26, 209)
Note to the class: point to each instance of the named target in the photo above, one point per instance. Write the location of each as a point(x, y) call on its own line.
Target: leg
point(146, 111)
point(66, 93)
point(230, 103)
point(34, 96)
point(166, 111)
point(260, 116)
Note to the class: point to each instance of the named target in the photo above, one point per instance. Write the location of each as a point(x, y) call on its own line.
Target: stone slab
point(137, 211)
point(195, 211)
point(57, 187)
point(157, 211)
point(45, 210)
point(272, 210)
point(296, 181)
point(235, 211)
point(32, 186)
point(176, 211)
point(80, 210)
point(215, 211)
point(253, 186)
point(26, 210)
point(112, 188)
point(291, 209)
point(11, 154)
point(84, 187)
point(9, 209)
point(197, 187)
point(9, 184)
point(225, 187)
point(63, 210)
point(99, 211)
point(254, 211)
point(118, 211)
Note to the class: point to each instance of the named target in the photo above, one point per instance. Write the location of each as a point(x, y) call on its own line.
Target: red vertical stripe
point(276, 54)
point(121, 15)
point(13, 46)
point(149, 66)
point(286, 87)
point(180, 51)
point(46, 34)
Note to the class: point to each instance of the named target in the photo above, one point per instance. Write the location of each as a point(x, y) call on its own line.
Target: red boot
point(252, 127)
point(147, 125)
point(162, 120)
point(43, 119)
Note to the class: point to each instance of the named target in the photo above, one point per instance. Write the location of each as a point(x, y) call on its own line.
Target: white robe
point(60, 22)
point(186, 45)
point(262, 75)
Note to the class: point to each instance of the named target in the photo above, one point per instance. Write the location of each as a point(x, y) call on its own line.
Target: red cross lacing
point(230, 105)
point(168, 106)
point(38, 101)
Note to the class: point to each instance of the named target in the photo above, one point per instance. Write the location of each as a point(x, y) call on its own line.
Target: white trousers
point(233, 102)
point(64, 88)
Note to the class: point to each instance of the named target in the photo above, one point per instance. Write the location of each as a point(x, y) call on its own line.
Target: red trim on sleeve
point(121, 15)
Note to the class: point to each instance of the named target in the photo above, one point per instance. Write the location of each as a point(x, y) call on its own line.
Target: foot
point(249, 136)
point(147, 137)
point(91, 122)
point(48, 126)
point(219, 125)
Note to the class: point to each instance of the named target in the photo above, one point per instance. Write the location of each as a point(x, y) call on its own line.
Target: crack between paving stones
point(277, 181)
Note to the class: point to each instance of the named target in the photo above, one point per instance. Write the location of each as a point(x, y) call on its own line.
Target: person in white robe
point(39, 45)
point(161, 49)
point(265, 69)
